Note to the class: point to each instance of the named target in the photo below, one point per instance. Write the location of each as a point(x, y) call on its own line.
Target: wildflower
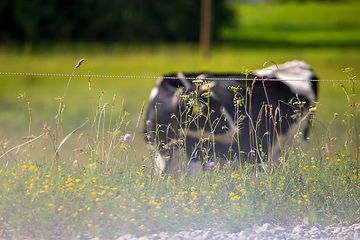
point(298, 135)
point(252, 151)
point(211, 165)
point(127, 137)
point(312, 110)
point(215, 210)
point(198, 82)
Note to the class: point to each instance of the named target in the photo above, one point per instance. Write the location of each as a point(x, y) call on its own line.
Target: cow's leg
point(160, 161)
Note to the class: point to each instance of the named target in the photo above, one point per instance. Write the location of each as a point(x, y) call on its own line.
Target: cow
point(197, 118)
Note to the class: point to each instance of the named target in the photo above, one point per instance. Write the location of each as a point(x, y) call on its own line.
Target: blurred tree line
point(107, 20)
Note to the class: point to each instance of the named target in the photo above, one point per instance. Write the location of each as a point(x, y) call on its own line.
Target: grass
point(117, 192)
point(143, 61)
point(96, 201)
point(310, 24)
point(101, 185)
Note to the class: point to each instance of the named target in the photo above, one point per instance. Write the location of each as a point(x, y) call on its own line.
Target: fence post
point(205, 28)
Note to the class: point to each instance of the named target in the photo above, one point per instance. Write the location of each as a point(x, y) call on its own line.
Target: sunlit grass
point(108, 202)
point(297, 24)
point(116, 191)
point(139, 61)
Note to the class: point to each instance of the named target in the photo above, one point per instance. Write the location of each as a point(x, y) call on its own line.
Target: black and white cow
point(228, 120)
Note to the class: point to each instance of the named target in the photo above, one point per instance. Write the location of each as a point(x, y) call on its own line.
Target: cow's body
point(226, 130)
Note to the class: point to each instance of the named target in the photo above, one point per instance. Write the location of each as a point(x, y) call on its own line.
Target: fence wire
point(167, 77)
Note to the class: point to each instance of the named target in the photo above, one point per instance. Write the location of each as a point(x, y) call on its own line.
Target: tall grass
point(144, 61)
point(118, 192)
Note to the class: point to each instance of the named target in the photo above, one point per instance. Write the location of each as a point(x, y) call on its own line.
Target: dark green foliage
point(108, 20)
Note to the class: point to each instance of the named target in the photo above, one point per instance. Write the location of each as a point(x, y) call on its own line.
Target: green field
point(94, 198)
point(294, 24)
point(143, 61)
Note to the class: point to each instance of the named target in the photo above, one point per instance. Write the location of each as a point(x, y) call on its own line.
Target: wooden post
point(205, 28)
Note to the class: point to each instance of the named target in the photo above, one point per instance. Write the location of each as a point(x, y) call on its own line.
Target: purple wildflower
point(252, 151)
point(211, 165)
point(127, 137)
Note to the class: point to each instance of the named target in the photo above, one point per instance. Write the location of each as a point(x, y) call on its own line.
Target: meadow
point(99, 184)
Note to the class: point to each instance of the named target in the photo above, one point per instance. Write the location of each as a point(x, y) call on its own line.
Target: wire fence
point(234, 78)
